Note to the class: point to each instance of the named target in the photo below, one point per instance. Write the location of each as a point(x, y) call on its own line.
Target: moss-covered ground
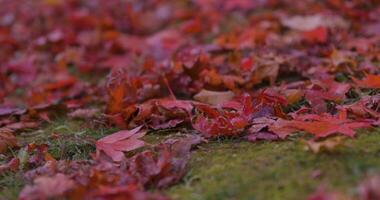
point(276, 170)
point(230, 168)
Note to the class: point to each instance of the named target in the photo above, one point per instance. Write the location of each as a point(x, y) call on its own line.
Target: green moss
point(230, 168)
point(276, 170)
point(67, 139)
point(10, 185)
point(74, 142)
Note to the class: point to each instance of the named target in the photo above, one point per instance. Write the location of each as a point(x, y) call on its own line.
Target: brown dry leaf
point(267, 68)
point(293, 95)
point(214, 97)
point(329, 145)
point(7, 140)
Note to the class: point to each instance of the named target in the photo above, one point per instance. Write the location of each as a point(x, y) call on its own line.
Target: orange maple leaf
point(370, 81)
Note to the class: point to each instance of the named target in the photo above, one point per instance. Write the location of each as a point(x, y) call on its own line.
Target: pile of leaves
point(256, 70)
point(160, 167)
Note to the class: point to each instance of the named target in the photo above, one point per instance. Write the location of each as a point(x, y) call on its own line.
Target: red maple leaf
point(317, 35)
point(122, 141)
point(370, 81)
point(325, 125)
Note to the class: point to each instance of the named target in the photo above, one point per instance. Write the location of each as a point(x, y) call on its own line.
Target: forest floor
point(190, 99)
point(232, 168)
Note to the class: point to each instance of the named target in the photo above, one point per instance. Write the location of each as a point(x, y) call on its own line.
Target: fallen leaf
point(125, 192)
point(329, 144)
point(293, 95)
point(5, 111)
point(7, 140)
point(282, 128)
point(260, 123)
point(368, 189)
point(47, 187)
point(84, 113)
point(323, 194)
point(12, 165)
point(310, 22)
point(169, 166)
point(317, 35)
point(369, 81)
point(18, 126)
point(214, 97)
point(323, 127)
point(267, 136)
point(122, 141)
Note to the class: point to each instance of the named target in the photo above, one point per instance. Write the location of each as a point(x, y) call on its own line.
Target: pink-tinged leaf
point(282, 128)
point(125, 192)
point(169, 124)
point(322, 194)
point(47, 187)
point(122, 141)
point(261, 136)
point(20, 126)
point(4, 111)
point(171, 104)
point(369, 188)
point(84, 113)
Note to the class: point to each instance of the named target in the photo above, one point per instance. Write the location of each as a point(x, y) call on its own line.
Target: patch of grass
point(276, 170)
point(67, 139)
point(10, 185)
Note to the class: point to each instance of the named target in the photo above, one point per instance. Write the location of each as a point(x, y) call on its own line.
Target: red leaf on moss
point(122, 141)
point(325, 125)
